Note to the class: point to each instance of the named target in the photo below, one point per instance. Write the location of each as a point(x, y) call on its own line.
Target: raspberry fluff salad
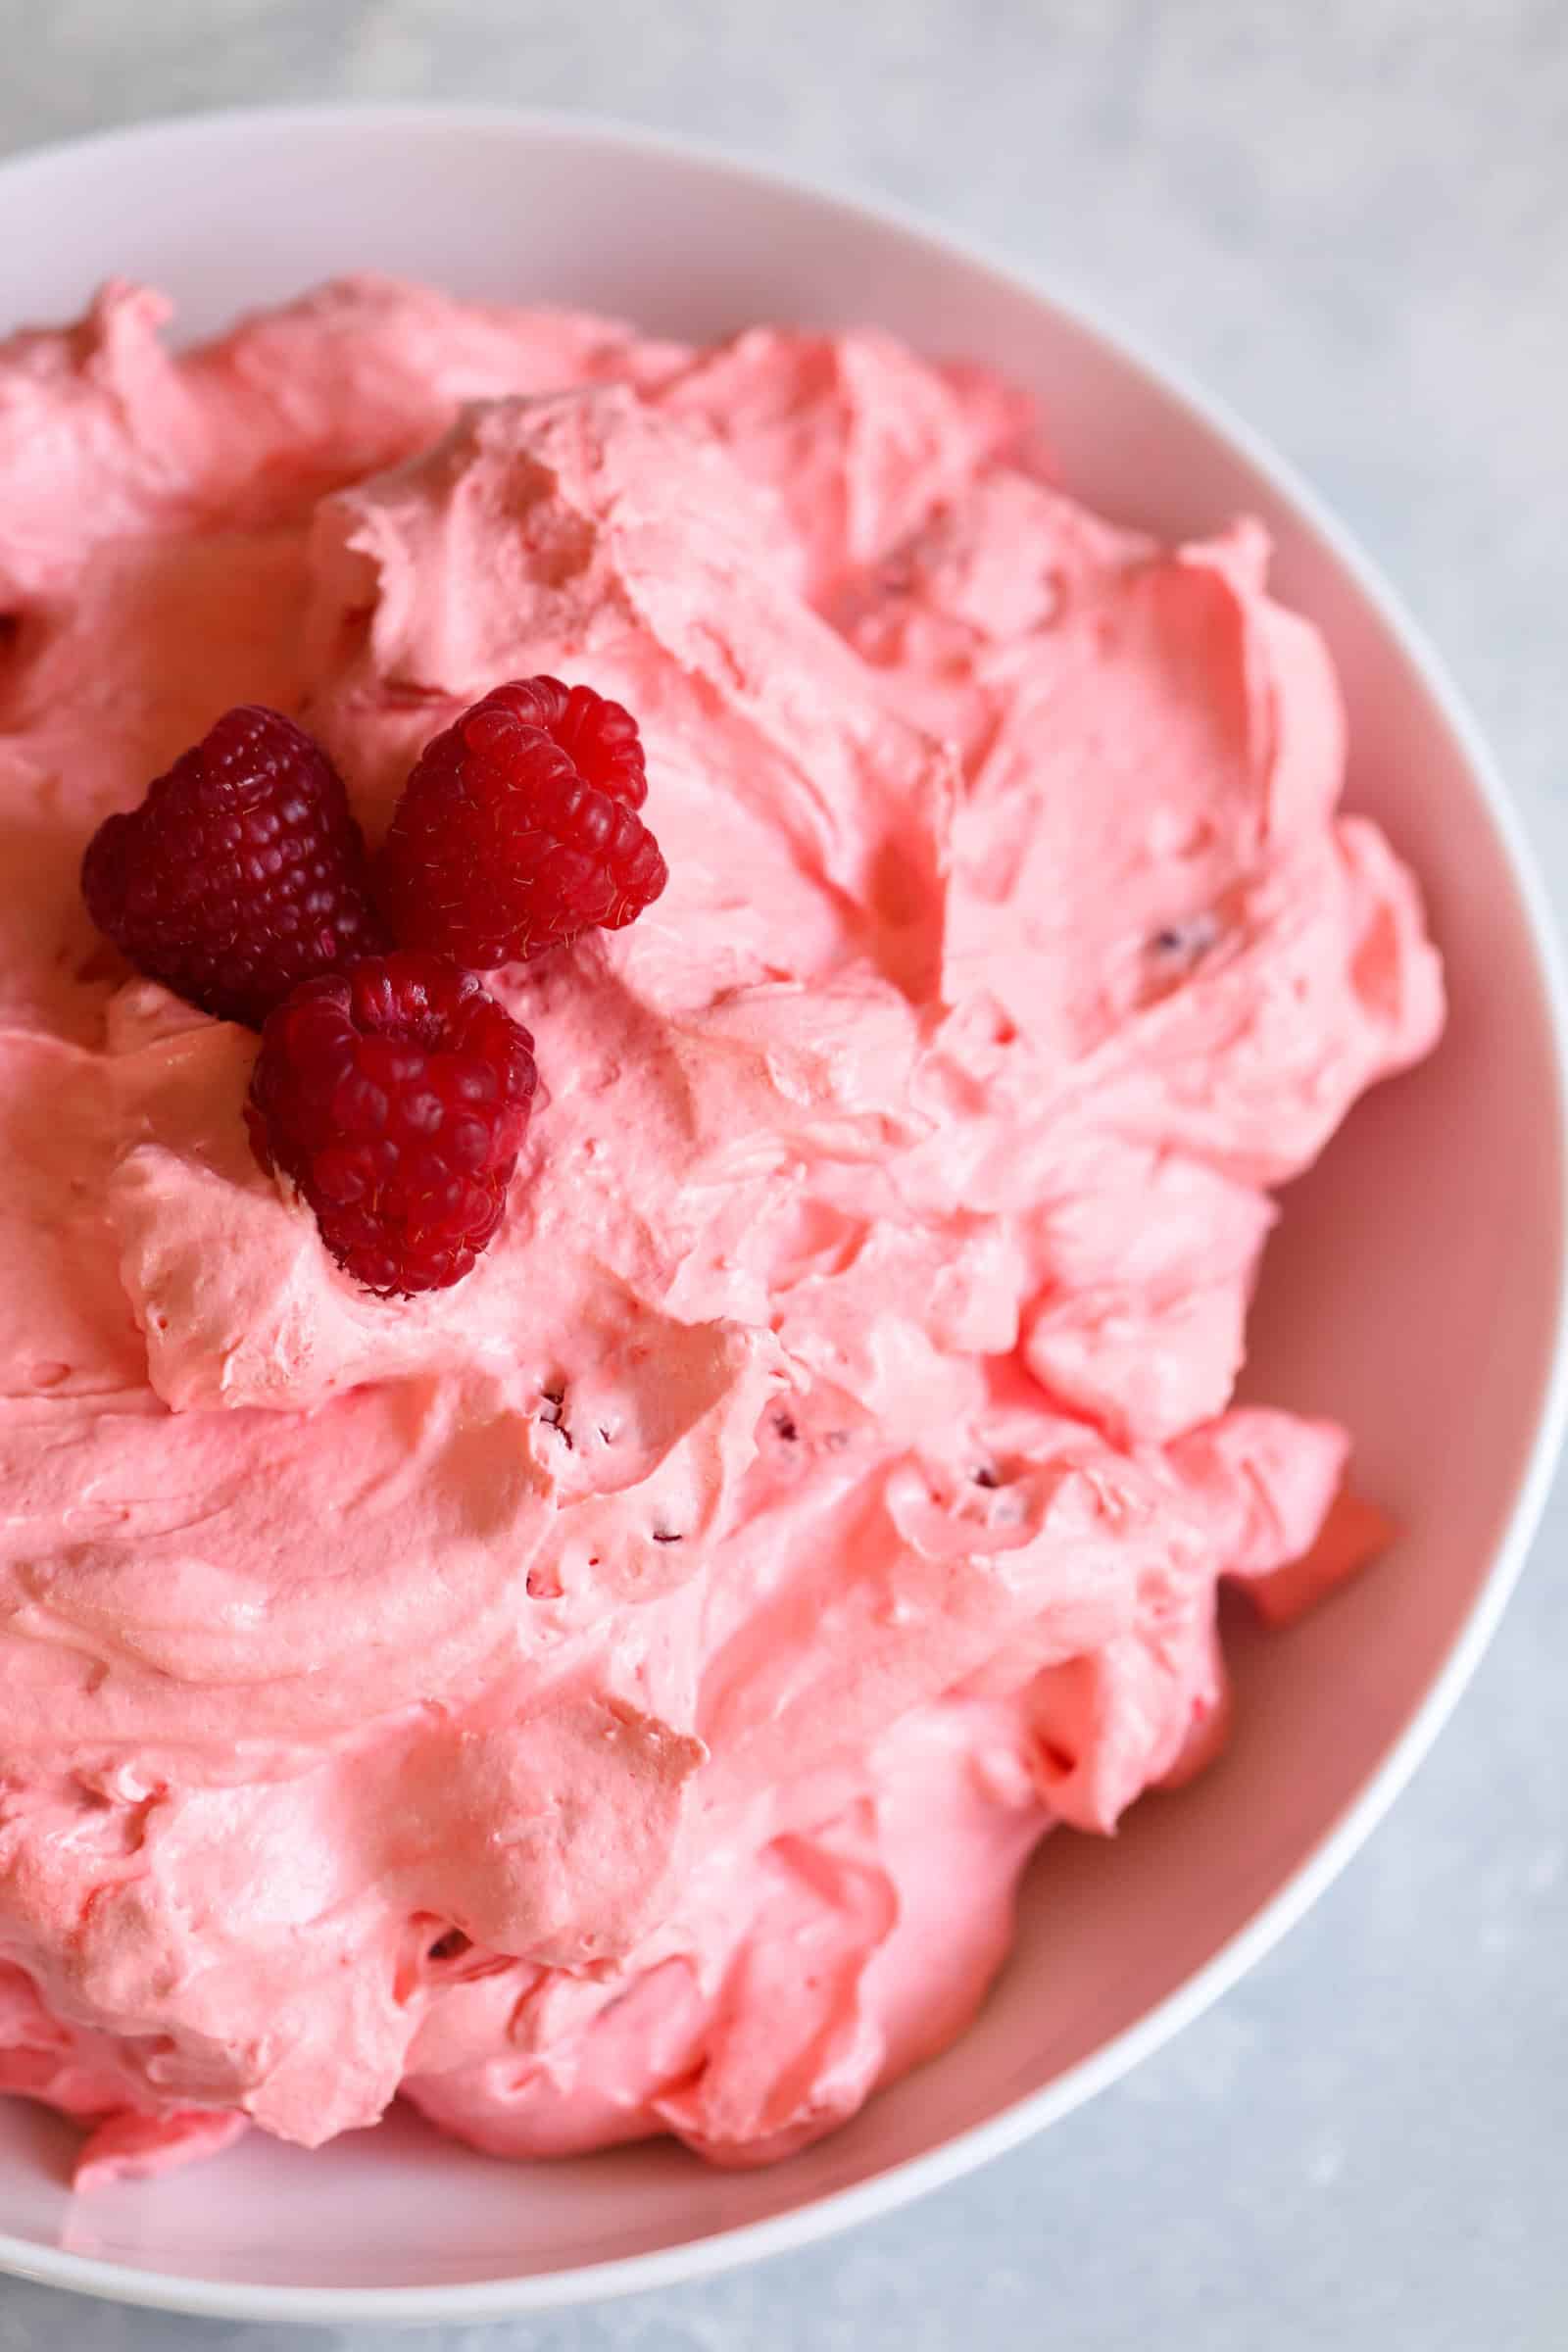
point(651, 1000)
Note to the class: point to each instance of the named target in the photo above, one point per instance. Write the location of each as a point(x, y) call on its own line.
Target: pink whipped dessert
point(618, 1694)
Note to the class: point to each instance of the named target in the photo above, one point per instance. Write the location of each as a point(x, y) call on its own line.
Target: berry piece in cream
point(397, 1100)
point(519, 828)
point(241, 872)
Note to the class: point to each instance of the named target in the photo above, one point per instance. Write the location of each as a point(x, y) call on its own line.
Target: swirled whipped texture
point(618, 1695)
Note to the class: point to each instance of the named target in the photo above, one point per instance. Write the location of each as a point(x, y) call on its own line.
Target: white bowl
point(1416, 1287)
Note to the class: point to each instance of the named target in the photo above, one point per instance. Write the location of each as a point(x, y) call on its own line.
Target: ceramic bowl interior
point(1414, 1288)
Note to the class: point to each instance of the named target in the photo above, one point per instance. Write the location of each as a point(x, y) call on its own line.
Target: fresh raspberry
point(397, 1098)
point(518, 828)
point(241, 874)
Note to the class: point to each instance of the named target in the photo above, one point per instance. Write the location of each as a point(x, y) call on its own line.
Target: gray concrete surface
point(1352, 219)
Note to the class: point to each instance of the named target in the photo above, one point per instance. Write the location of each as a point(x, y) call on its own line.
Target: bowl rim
point(898, 2184)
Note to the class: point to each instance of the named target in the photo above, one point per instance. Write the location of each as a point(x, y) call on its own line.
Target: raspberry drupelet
point(397, 1099)
point(518, 828)
point(241, 874)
